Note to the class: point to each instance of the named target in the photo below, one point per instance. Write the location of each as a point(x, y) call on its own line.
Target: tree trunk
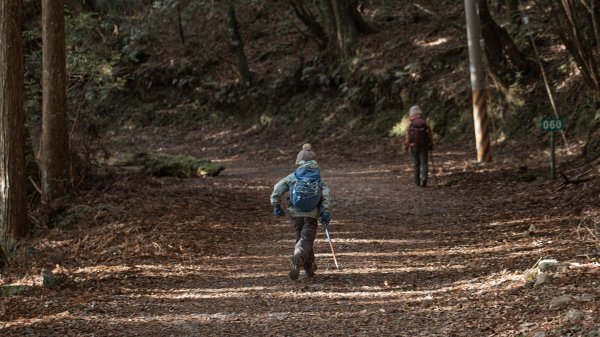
point(328, 17)
point(495, 64)
point(346, 27)
point(54, 153)
point(237, 46)
point(180, 25)
point(310, 21)
point(340, 22)
point(361, 25)
point(13, 198)
point(499, 44)
point(594, 13)
point(573, 35)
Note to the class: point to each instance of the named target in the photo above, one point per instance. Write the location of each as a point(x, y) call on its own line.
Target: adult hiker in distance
point(419, 141)
point(308, 201)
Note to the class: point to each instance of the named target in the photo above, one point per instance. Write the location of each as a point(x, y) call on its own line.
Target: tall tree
point(500, 47)
point(346, 29)
point(13, 202)
point(55, 161)
point(310, 20)
point(572, 22)
point(237, 45)
point(344, 23)
point(337, 26)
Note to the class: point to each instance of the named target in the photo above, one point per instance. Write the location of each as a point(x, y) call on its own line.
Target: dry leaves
point(205, 257)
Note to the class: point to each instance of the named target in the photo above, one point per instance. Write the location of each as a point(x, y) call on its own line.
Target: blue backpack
point(305, 193)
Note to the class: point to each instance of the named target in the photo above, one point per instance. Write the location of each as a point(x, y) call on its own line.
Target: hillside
point(417, 55)
point(135, 66)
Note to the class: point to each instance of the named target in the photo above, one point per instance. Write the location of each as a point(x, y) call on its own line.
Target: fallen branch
point(575, 181)
point(587, 167)
point(591, 225)
point(37, 188)
point(566, 181)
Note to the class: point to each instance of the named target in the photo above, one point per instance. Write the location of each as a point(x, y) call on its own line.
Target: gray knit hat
point(305, 154)
point(415, 110)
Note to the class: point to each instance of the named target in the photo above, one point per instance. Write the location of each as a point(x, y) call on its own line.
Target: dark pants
point(306, 231)
point(420, 165)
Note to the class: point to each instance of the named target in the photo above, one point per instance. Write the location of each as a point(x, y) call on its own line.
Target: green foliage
point(395, 44)
point(582, 119)
point(314, 77)
point(13, 289)
point(592, 147)
point(399, 129)
point(90, 56)
point(401, 77)
point(117, 6)
point(265, 120)
point(67, 219)
point(312, 117)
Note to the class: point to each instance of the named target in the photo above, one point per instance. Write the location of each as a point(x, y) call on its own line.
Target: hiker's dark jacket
point(285, 184)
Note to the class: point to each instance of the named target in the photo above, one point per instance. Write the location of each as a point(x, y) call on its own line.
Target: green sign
point(552, 124)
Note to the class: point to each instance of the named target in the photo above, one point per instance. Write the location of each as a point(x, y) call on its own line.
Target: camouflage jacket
point(284, 186)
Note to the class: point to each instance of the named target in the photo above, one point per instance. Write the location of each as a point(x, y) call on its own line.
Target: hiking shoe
point(297, 262)
point(310, 269)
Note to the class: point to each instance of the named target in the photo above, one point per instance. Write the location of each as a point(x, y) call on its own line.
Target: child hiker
point(308, 200)
point(419, 141)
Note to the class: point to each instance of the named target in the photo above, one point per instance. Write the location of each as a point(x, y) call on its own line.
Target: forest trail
point(206, 257)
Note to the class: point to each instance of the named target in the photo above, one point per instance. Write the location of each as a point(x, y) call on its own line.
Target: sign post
point(552, 156)
point(549, 124)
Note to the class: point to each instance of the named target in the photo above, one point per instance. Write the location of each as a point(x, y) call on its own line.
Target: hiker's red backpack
point(419, 133)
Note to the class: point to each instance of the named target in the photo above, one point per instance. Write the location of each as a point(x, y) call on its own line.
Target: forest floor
point(205, 256)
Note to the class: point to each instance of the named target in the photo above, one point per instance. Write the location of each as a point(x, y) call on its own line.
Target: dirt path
point(205, 257)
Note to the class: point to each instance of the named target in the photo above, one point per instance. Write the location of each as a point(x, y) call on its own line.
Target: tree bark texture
point(340, 22)
point(180, 25)
point(572, 33)
point(328, 17)
point(13, 198)
point(237, 46)
point(309, 19)
point(346, 27)
point(55, 153)
point(496, 63)
point(361, 25)
point(499, 46)
point(595, 25)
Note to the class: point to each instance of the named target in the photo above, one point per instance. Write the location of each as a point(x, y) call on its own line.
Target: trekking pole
point(330, 245)
point(433, 168)
point(409, 159)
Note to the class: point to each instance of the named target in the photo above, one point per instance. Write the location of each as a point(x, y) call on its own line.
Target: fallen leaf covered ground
point(205, 257)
